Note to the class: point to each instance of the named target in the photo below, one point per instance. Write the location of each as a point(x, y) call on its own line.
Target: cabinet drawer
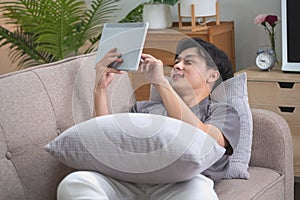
point(290, 113)
point(278, 93)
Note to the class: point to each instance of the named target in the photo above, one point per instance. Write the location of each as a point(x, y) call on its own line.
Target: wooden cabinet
point(279, 92)
point(162, 44)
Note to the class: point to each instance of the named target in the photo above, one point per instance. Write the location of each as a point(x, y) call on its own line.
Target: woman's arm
point(175, 106)
point(100, 102)
point(104, 77)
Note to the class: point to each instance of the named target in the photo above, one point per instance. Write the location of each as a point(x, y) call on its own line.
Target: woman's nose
point(178, 66)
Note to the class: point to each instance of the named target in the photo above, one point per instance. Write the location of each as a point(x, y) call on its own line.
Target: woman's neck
point(193, 99)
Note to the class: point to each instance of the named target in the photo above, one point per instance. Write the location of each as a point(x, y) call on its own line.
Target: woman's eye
point(188, 61)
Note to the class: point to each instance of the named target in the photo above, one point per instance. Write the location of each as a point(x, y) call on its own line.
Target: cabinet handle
point(289, 85)
point(286, 109)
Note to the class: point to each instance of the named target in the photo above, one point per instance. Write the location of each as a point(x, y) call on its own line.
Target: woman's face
point(189, 73)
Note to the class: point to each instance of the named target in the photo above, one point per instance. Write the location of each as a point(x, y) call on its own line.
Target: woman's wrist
point(163, 82)
point(100, 105)
point(100, 90)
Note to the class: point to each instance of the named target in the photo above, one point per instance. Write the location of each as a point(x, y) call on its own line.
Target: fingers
point(114, 71)
point(112, 50)
point(148, 62)
point(145, 63)
point(145, 66)
point(111, 56)
point(104, 74)
point(108, 72)
point(104, 78)
point(145, 56)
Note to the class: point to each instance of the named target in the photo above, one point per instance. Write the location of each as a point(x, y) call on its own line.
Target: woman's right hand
point(104, 74)
point(152, 68)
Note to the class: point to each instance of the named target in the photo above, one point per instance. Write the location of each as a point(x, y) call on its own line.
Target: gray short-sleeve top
point(219, 114)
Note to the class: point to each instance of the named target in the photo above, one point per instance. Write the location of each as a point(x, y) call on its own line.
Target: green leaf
point(100, 13)
point(21, 46)
point(169, 2)
point(50, 30)
point(135, 15)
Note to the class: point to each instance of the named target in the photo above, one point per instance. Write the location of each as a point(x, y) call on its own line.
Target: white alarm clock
point(265, 59)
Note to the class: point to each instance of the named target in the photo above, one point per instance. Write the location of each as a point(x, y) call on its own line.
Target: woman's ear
point(214, 76)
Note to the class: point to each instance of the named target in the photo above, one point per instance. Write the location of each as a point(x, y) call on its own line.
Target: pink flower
point(260, 18)
point(264, 18)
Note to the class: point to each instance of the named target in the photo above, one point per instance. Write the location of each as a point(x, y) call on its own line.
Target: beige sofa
point(39, 103)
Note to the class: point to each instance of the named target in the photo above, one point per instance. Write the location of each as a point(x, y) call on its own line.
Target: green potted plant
point(168, 2)
point(46, 31)
point(158, 13)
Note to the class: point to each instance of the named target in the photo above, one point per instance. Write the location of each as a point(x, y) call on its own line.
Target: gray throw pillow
point(137, 147)
point(233, 92)
point(237, 96)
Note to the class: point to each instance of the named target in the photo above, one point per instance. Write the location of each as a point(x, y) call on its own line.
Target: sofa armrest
point(272, 146)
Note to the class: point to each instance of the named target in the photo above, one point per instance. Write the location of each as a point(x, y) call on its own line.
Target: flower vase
point(158, 15)
point(273, 46)
point(269, 23)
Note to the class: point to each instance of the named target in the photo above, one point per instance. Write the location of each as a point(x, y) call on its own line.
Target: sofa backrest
point(37, 104)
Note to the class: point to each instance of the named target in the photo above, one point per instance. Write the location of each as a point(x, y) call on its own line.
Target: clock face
point(265, 61)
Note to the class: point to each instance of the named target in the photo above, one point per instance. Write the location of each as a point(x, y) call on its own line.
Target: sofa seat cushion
point(263, 184)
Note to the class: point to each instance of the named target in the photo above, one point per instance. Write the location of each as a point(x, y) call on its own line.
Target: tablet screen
point(128, 38)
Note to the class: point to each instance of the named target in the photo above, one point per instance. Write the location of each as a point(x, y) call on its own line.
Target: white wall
point(248, 36)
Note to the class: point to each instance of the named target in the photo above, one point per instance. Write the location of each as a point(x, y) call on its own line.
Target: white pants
point(84, 185)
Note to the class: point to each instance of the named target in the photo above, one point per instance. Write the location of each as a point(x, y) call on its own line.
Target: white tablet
point(128, 38)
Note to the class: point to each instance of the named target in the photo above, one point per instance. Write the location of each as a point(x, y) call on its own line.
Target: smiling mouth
point(178, 76)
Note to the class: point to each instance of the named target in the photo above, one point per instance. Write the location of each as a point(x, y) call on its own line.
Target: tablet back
point(128, 38)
